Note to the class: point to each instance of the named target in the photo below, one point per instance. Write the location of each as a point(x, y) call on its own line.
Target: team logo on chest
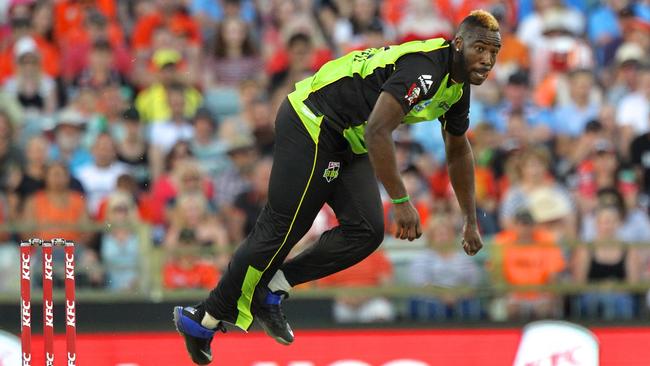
point(332, 171)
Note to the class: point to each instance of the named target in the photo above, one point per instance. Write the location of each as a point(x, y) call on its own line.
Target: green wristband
point(401, 200)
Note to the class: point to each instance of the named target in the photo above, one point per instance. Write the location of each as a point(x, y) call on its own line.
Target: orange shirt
point(368, 272)
point(200, 275)
point(47, 213)
point(49, 58)
point(70, 15)
point(179, 24)
point(530, 263)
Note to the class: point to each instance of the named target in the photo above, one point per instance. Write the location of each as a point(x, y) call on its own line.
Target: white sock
point(209, 321)
point(279, 283)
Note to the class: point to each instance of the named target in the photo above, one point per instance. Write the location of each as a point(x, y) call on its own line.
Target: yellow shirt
point(152, 105)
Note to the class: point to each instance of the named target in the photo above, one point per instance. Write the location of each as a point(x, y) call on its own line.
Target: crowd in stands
point(161, 113)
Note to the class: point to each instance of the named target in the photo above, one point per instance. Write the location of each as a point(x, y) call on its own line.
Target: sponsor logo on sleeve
point(425, 82)
point(413, 94)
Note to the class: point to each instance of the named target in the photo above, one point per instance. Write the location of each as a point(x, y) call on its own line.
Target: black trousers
point(304, 177)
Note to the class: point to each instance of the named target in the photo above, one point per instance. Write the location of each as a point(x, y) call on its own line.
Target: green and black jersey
point(344, 91)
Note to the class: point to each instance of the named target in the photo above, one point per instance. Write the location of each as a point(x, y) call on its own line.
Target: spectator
point(120, 245)
point(532, 172)
point(100, 70)
point(581, 107)
point(629, 58)
point(99, 178)
point(234, 57)
point(633, 110)
point(77, 45)
point(209, 13)
point(517, 101)
point(8, 253)
point(30, 86)
point(172, 17)
point(192, 221)
point(375, 270)
point(185, 177)
point(20, 21)
point(635, 224)
point(10, 154)
point(606, 262)
point(67, 140)
point(248, 204)
point(443, 264)
point(208, 149)
point(185, 270)
point(232, 181)
point(32, 177)
point(152, 102)
point(530, 256)
point(164, 134)
point(422, 21)
point(59, 212)
point(143, 159)
point(300, 52)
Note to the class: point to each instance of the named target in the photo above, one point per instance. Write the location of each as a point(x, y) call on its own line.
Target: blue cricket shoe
point(197, 337)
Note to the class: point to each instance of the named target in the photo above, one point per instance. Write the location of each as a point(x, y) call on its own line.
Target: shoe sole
point(280, 340)
point(177, 310)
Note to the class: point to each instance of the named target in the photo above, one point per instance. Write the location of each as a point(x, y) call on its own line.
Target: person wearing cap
point(67, 136)
point(165, 133)
point(243, 155)
point(152, 102)
point(334, 137)
point(34, 89)
point(143, 159)
point(633, 112)
point(629, 59)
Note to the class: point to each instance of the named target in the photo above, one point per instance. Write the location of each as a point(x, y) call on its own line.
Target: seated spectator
point(143, 160)
point(8, 253)
point(32, 177)
point(67, 140)
point(375, 270)
point(186, 177)
point(209, 151)
point(529, 256)
point(300, 49)
point(191, 220)
point(581, 105)
point(30, 85)
point(185, 270)
point(78, 45)
point(120, 245)
point(445, 265)
point(126, 184)
point(234, 57)
point(423, 21)
point(99, 178)
point(531, 172)
point(165, 133)
point(11, 159)
point(249, 204)
point(633, 110)
point(59, 212)
point(100, 70)
point(152, 102)
point(606, 261)
point(228, 185)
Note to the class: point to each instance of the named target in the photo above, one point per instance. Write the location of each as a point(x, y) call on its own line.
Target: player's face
point(480, 54)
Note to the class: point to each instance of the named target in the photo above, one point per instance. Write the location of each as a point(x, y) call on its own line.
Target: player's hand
point(408, 221)
point(472, 242)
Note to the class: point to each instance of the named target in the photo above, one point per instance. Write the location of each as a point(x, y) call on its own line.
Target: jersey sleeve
point(415, 78)
point(456, 120)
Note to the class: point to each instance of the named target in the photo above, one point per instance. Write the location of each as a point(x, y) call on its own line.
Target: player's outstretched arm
point(385, 117)
point(460, 163)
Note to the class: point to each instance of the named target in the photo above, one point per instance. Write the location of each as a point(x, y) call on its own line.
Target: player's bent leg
point(268, 313)
point(198, 337)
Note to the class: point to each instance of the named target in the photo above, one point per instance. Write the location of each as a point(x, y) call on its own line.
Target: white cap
point(24, 46)
point(630, 52)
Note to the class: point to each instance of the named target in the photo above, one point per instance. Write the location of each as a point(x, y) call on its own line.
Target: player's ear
point(458, 43)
